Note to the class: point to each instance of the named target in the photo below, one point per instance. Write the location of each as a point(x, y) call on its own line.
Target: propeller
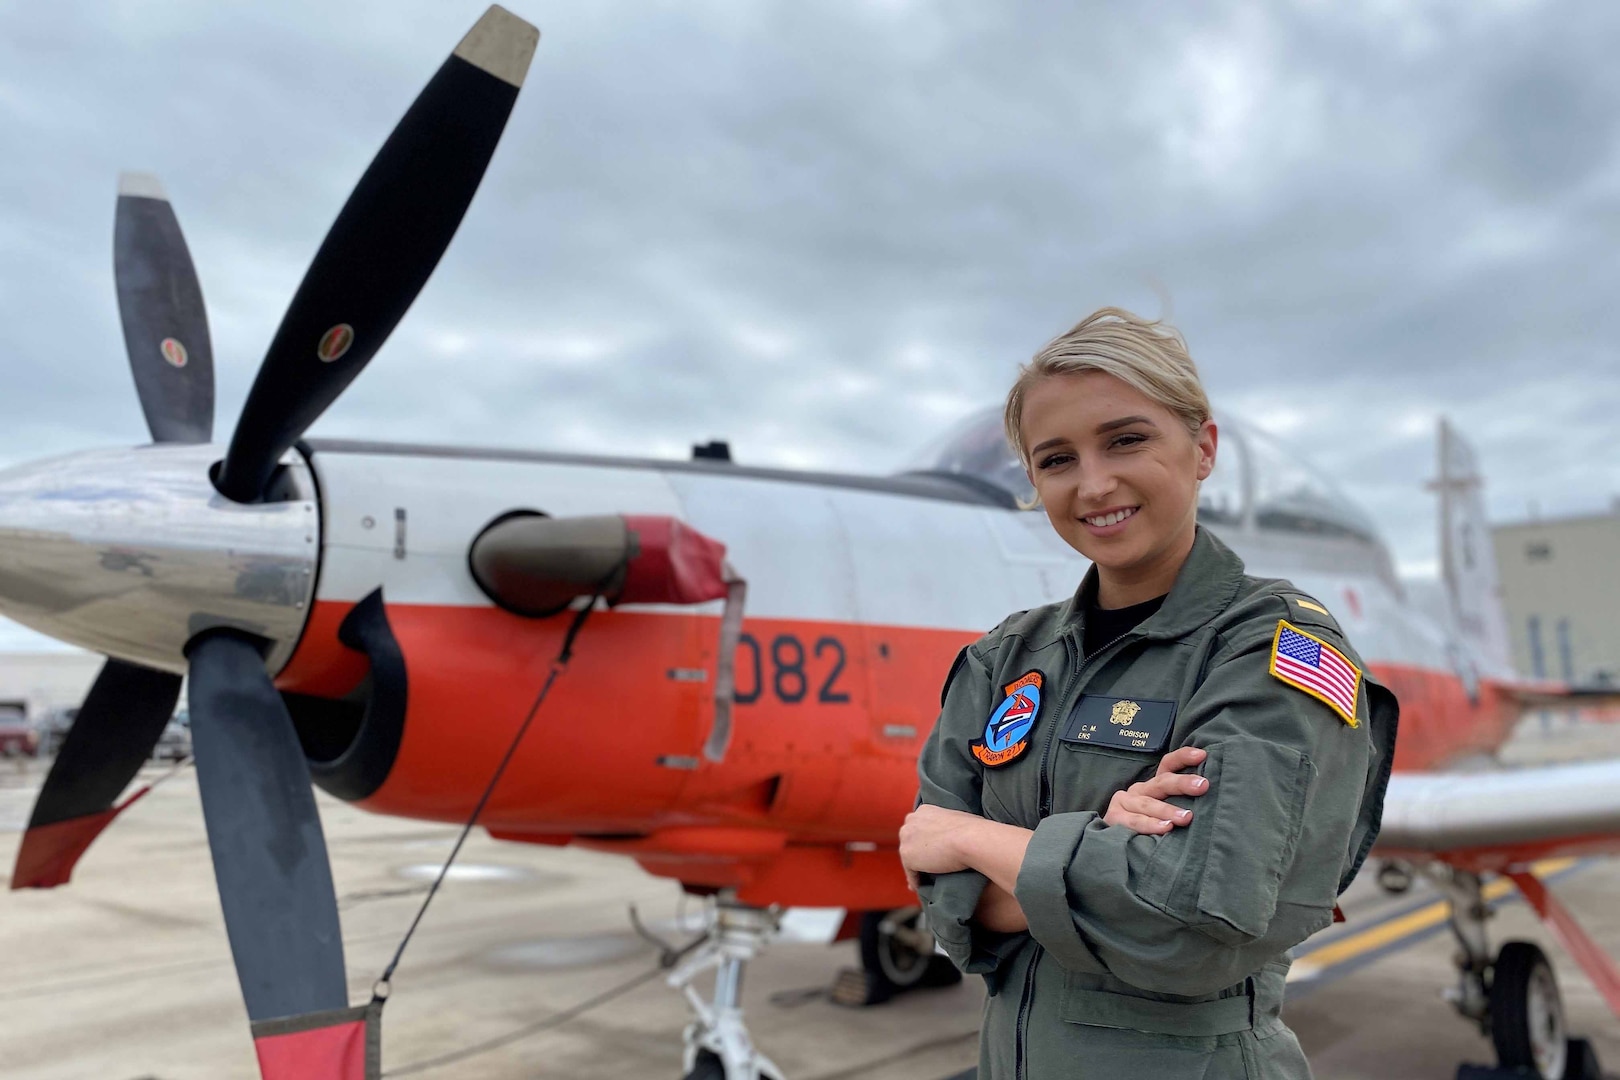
point(166, 335)
point(120, 721)
point(270, 863)
point(264, 832)
point(161, 305)
point(383, 246)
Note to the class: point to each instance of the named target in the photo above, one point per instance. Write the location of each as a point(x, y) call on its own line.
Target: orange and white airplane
point(742, 712)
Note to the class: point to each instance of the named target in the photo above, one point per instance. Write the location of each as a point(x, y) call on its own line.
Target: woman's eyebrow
point(1049, 443)
point(1125, 422)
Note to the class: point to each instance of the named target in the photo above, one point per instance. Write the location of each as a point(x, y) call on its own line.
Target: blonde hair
point(1148, 355)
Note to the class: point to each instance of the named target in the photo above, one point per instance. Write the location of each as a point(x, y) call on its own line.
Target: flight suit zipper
point(1078, 667)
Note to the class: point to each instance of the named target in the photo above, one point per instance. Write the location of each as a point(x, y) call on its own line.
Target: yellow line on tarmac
point(1314, 963)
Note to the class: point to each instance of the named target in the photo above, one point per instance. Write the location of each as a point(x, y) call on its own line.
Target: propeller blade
point(165, 323)
point(270, 864)
point(382, 247)
point(111, 738)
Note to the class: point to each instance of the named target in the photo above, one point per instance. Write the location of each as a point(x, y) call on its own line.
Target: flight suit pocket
point(1253, 828)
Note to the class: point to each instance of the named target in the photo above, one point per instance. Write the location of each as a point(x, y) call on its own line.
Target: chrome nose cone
point(131, 553)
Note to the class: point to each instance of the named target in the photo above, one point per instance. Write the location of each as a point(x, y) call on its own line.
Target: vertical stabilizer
point(1467, 557)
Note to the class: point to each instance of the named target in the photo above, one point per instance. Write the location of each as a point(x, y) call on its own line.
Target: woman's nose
point(1093, 482)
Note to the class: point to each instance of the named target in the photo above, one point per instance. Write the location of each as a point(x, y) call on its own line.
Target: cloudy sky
point(825, 231)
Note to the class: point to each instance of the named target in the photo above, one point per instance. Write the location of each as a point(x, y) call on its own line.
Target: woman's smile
point(1110, 522)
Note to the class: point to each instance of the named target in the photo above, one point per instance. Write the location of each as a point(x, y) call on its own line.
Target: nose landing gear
point(718, 1046)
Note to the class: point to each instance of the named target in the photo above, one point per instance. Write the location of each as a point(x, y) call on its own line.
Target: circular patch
point(173, 352)
point(335, 342)
point(1006, 733)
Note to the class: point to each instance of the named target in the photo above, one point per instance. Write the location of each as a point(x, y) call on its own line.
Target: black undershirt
point(1103, 625)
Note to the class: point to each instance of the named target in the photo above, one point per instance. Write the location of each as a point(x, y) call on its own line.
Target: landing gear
point(1394, 876)
point(1527, 1015)
point(1513, 997)
point(717, 1042)
point(897, 953)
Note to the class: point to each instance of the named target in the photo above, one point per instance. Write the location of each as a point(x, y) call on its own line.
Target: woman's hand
point(1141, 807)
point(928, 841)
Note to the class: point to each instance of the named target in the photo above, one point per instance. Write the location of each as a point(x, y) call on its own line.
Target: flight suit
point(1158, 957)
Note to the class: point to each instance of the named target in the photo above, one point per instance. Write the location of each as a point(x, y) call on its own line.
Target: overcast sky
point(824, 231)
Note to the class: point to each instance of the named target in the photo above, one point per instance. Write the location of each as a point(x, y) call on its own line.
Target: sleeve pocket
point(1259, 809)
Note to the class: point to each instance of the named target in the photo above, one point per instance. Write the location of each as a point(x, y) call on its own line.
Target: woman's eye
point(1053, 460)
point(1129, 440)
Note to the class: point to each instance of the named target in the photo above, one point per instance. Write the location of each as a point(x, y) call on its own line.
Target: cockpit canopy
point(1258, 481)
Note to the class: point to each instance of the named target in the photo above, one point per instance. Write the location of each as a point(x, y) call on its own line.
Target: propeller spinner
point(146, 556)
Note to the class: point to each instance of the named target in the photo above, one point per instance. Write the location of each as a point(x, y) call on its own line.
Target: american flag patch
point(1310, 664)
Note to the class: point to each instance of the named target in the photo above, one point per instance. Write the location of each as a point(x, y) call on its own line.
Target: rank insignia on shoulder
point(1006, 733)
point(1310, 605)
point(1306, 662)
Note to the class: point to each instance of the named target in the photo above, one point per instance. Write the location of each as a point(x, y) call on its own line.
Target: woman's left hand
point(928, 840)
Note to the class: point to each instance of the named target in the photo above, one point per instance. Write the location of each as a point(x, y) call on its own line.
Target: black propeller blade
point(113, 735)
point(270, 864)
point(382, 247)
point(161, 305)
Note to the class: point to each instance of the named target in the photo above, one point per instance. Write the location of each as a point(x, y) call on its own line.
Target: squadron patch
point(1006, 733)
point(1308, 663)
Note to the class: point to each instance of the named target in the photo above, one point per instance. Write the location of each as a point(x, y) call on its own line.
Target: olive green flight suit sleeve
point(949, 777)
point(1259, 867)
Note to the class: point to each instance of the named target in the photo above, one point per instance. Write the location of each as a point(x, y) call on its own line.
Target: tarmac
point(125, 974)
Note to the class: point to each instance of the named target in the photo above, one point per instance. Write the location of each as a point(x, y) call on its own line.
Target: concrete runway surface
point(126, 975)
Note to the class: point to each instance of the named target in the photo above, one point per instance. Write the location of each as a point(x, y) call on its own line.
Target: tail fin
point(1467, 558)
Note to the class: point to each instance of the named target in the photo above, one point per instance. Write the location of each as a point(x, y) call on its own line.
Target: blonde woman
point(1129, 809)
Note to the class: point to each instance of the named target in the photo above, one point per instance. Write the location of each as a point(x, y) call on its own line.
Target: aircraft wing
point(1491, 821)
point(1566, 697)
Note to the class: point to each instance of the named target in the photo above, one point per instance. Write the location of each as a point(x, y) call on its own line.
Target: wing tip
point(141, 186)
point(501, 44)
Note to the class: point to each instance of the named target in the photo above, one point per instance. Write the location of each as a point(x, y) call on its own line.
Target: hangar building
point(1561, 587)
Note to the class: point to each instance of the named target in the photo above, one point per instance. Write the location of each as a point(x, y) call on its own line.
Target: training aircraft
point(743, 707)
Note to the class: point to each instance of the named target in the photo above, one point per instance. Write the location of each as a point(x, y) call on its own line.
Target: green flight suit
point(1157, 957)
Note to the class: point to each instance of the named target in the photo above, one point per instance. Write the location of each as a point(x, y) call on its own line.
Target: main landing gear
point(717, 1042)
point(897, 955)
point(1513, 997)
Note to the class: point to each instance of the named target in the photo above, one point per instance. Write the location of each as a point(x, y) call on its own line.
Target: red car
point(17, 738)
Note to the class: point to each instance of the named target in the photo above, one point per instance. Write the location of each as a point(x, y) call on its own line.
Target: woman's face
point(1117, 472)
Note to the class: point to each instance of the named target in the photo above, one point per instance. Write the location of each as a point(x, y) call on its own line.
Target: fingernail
point(1198, 752)
point(1183, 815)
point(1199, 781)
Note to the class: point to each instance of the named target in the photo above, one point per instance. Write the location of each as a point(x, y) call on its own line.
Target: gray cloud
point(825, 231)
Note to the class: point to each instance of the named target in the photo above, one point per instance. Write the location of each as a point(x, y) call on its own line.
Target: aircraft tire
point(707, 1067)
point(1527, 1014)
point(893, 966)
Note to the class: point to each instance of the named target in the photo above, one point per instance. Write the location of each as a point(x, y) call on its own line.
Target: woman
point(1125, 930)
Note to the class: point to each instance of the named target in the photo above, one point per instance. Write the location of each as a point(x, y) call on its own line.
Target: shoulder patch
point(1006, 733)
point(1307, 663)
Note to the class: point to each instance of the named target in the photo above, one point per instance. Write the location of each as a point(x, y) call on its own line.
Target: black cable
point(381, 989)
point(527, 1030)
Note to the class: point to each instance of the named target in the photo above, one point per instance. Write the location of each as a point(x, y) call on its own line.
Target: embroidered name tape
point(1139, 724)
point(1306, 662)
point(1006, 733)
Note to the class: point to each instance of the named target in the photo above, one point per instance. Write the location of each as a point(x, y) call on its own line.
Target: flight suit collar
point(1205, 586)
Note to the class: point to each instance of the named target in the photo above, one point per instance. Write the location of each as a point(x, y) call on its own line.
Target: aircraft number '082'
point(795, 671)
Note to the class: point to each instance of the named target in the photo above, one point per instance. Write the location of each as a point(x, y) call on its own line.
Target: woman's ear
point(1206, 439)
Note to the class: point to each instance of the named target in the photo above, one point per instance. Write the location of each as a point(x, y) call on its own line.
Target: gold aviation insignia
point(1124, 712)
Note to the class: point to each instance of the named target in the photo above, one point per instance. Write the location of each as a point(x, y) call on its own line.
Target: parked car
point(53, 728)
point(17, 736)
point(175, 742)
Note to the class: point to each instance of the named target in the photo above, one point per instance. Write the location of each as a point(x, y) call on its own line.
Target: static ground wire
point(527, 1030)
point(384, 985)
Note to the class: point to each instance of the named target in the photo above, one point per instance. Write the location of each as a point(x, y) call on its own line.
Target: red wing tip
point(141, 185)
point(501, 44)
